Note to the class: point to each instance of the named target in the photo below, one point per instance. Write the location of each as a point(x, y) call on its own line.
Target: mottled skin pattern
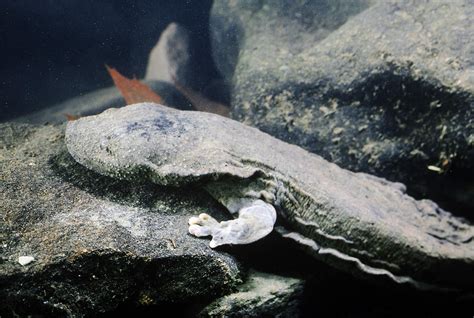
point(356, 222)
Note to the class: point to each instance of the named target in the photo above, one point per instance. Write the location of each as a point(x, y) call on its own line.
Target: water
point(381, 87)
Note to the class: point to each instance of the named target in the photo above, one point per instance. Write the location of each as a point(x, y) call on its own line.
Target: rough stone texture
point(356, 222)
point(263, 295)
point(100, 100)
point(278, 30)
point(170, 57)
point(384, 87)
point(97, 242)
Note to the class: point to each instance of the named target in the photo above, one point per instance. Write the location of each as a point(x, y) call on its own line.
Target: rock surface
point(263, 295)
point(355, 222)
point(384, 87)
point(74, 243)
point(170, 57)
point(100, 100)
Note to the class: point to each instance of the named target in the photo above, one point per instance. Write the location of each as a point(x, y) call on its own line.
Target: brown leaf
point(70, 117)
point(132, 90)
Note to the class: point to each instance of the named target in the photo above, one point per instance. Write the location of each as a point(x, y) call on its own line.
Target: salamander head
point(151, 141)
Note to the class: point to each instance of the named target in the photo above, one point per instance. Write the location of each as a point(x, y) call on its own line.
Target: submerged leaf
point(132, 90)
point(70, 117)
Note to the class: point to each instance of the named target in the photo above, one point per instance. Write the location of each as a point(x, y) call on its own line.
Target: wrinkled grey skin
point(353, 221)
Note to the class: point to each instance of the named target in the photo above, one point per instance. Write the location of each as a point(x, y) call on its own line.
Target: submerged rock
point(170, 57)
point(75, 243)
point(384, 87)
point(263, 295)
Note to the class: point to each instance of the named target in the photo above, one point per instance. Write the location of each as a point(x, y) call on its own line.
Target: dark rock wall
point(380, 87)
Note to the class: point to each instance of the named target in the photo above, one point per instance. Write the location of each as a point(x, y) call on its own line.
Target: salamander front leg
point(255, 221)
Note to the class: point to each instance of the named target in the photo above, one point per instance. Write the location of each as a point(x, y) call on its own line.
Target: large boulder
point(75, 243)
point(384, 87)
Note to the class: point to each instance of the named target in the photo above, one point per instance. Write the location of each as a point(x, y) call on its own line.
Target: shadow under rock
point(329, 292)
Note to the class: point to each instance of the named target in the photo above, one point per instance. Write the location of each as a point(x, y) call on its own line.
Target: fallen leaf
point(70, 117)
point(132, 90)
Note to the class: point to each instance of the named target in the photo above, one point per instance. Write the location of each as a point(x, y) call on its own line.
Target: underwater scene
point(252, 158)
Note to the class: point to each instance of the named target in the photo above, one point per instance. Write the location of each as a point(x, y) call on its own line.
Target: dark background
point(54, 50)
